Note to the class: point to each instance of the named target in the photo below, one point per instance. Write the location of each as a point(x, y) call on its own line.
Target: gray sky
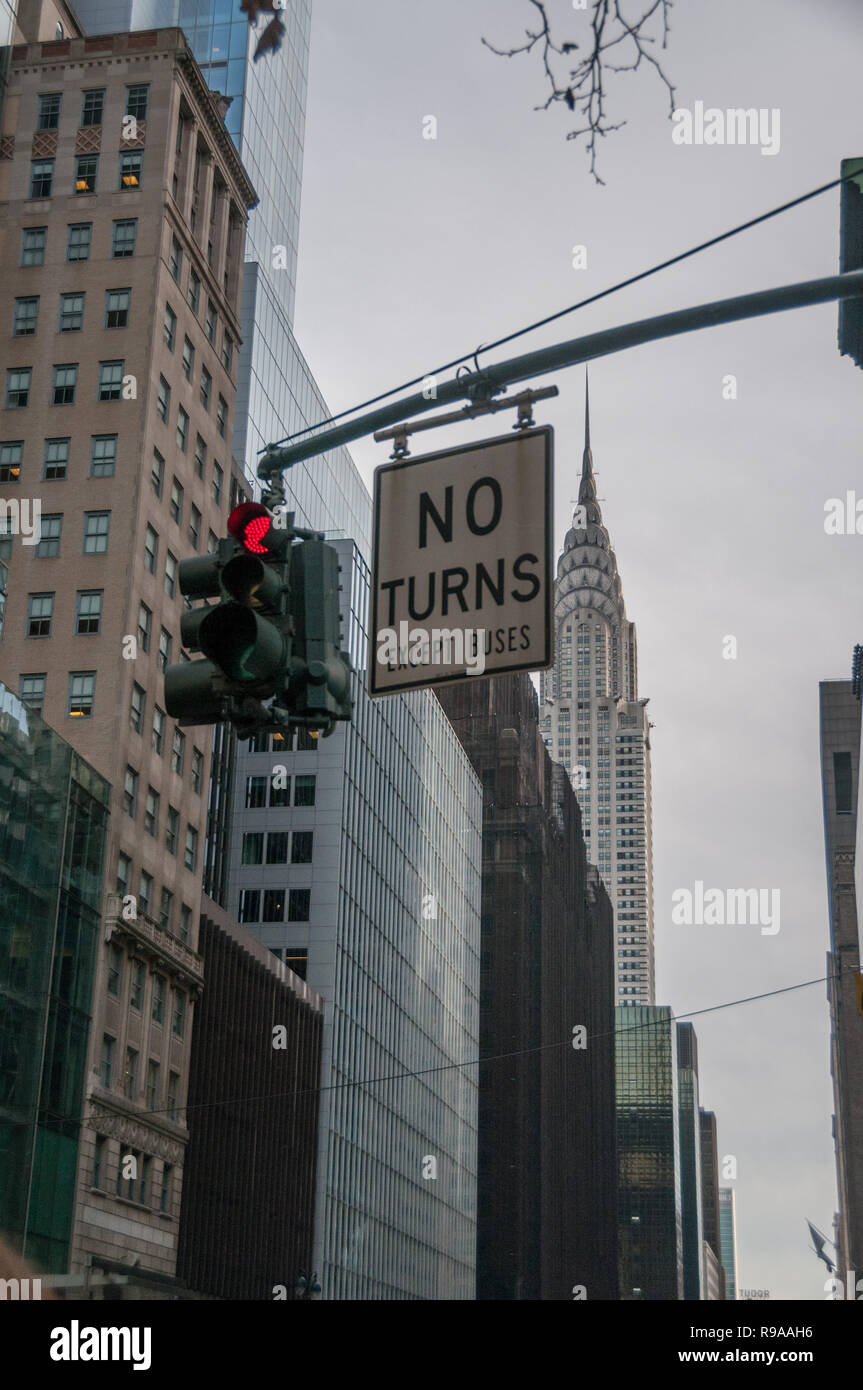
point(413, 251)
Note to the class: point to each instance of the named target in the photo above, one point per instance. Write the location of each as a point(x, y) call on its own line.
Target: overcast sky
point(413, 251)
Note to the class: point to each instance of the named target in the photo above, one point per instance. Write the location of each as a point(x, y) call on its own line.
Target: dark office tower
point(713, 1272)
point(249, 1180)
point(840, 774)
point(53, 826)
point(648, 1146)
point(690, 1162)
point(546, 1153)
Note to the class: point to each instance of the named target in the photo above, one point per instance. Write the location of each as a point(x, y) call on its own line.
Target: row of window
point(129, 1082)
point(86, 173)
point(193, 298)
point(152, 803)
point(19, 384)
point(163, 406)
point(169, 334)
point(88, 613)
point(274, 899)
point(134, 1189)
point(280, 791)
point(71, 316)
point(95, 537)
point(92, 106)
point(145, 898)
point(55, 458)
point(300, 741)
point(79, 236)
point(277, 847)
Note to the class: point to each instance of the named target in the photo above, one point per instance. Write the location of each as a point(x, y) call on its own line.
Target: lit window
point(86, 169)
point(82, 689)
point(130, 169)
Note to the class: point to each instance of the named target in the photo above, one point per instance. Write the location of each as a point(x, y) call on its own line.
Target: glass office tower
point(650, 1220)
point(53, 824)
point(728, 1237)
point(691, 1189)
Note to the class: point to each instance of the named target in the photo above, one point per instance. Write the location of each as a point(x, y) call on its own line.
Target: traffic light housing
point(270, 646)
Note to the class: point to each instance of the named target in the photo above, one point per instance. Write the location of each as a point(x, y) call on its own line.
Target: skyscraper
point(728, 1238)
point(840, 773)
point(691, 1191)
point(596, 725)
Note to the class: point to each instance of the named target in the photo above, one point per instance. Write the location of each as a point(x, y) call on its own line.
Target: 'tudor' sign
point(461, 578)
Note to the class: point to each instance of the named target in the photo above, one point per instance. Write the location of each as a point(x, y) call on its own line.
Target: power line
point(561, 313)
point(494, 1057)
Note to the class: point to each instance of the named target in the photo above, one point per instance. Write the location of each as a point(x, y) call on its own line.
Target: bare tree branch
point(585, 91)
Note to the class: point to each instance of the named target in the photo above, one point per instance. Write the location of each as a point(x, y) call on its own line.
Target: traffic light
point(851, 257)
point(270, 646)
point(319, 683)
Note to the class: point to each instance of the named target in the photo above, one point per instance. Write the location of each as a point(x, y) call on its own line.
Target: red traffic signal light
point(250, 523)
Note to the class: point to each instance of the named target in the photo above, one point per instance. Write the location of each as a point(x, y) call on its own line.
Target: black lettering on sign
point(528, 578)
point(483, 577)
point(443, 523)
point(470, 506)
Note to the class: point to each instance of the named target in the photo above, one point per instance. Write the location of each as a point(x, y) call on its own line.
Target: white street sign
point(461, 574)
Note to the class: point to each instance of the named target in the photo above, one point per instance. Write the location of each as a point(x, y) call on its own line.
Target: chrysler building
point(595, 724)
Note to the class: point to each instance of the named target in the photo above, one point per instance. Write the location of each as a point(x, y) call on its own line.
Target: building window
point(33, 245)
point(176, 504)
point(167, 1184)
point(31, 691)
point(116, 959)
point(26, 317)
point(185, 923)
point(130, 792)
point(197, 770)
point(50, 534)
point(99, 1161)
point(166, 910)
point(49, 110)
point(106, 1061)
point(151, 812)
point(136, 101)
point(194, 291)
point(157, 473)
point(173, 1093)
point(82, 690)
point(182, 429)
point(211, 321)
point(18, 387)
point(136, 708)
point(136, 987)
point(222, 416)
point(281, 796)
point(172, 830)
point(88, 617)
point(200, 456)
point(117, 308)
point(178, 750)
point(144, 622)
point(175, 264)
point(145, 892)
point(170, 574)
point(304, 791)
point(277, 847)
point(299, 904)
point(41, 177)
point(123, 237)
point(212, 542)
point(191, 856)
point(253, 847)
point(11, 457)
point(158, 1009)
point(65, 381)
point(843, 783)
point(188, 359)
point(124, 874)
point(71, 313)
point(178, 1024)
point(227, 351)
point(110, 381)
point(274, 905)
point(195, 527)
point(158, 730)
point(250, 905)
point(56, 460)
point(165, 644)
point(301, 847)
point(163, 400)
point(151, 549)
point(92, 107)
point(206, 387)
point(152, 1084)
point(86, 169)
point(78, 241)
point(40, 610)
point(169, 327)
point(130, 1074)
point(96, 525)
point(130, 169)
point(103, 455)
point(256, 793)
